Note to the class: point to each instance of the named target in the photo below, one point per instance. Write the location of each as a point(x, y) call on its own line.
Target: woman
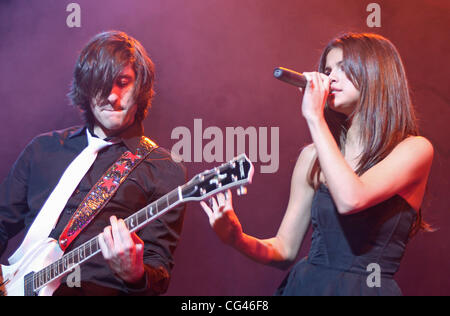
point(360, 183)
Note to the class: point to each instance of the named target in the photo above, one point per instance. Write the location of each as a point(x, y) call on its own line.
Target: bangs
point(101, 66)
point(353, 63)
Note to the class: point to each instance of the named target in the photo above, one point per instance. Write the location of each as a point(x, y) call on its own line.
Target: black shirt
point(38, 170)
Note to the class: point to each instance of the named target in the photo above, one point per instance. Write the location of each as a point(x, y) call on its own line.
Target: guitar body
point(17, 279)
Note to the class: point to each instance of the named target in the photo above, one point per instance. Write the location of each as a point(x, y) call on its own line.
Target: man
point(112, 87)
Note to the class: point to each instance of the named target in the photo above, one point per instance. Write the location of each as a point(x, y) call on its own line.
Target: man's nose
point(113, 98)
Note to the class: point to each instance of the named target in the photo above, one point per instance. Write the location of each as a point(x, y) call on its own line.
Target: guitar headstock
point(235, 173)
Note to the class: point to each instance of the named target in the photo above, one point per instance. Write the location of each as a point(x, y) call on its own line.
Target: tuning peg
point(242, 190)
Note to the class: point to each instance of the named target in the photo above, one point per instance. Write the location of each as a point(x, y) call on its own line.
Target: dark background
point(214, 60)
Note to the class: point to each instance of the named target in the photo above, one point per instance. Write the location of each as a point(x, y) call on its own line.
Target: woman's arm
point(281, 250)
point(407, 166)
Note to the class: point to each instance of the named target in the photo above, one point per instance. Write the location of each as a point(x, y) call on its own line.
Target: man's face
point(118, 111)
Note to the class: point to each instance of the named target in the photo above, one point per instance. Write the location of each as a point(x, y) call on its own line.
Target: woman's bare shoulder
point(417, 146)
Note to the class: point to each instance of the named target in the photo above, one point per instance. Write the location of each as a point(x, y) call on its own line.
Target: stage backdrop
point(214, 61)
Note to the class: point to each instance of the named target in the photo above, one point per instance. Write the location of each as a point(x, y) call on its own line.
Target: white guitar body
point(38, 257)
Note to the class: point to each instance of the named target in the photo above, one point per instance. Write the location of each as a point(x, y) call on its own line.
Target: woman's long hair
point(385, 113)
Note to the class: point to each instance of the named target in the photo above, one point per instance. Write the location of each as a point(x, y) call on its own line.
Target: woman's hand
point(315, 95)
point(223, 219)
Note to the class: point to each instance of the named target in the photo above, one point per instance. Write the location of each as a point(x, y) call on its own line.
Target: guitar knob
point(242, 190)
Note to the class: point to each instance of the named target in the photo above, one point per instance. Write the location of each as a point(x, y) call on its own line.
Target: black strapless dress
point(343, 247)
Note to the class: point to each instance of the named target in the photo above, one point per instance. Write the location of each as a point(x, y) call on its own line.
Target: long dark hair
point(385, 112)
point(99, 64)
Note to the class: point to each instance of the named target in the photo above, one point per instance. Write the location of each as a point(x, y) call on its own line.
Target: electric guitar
point(34, 276)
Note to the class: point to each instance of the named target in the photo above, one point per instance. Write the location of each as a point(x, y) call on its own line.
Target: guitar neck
point(90, 248)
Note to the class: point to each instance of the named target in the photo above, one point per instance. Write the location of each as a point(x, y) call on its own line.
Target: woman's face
point(343, 96)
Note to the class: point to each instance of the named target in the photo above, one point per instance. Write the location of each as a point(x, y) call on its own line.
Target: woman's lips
point(334, 91)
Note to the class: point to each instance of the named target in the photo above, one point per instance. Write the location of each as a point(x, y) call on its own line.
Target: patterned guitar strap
point(102, 192)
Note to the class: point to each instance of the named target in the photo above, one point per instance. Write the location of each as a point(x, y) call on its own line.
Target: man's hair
point(99, 64)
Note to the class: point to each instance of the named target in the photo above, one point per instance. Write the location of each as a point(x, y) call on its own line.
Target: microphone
point(290, 76)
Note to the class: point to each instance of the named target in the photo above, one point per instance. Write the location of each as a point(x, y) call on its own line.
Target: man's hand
point(123, 251)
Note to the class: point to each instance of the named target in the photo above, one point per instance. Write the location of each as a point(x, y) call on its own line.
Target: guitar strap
point(102, 192)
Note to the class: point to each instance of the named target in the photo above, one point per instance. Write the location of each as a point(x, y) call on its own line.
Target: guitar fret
point(169, 198)
point(96, 245)
point(52, 271)
point(47, 275)
point(131, 222)
point(35, 282)
point(142, 217)
point(150, 211)
point(41, 278)
point(136, 221)
point(173, 197)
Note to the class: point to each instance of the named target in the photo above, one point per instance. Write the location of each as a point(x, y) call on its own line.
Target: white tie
point(48, 216)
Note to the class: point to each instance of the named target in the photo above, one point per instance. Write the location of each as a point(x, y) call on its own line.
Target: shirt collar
point(131, 137)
